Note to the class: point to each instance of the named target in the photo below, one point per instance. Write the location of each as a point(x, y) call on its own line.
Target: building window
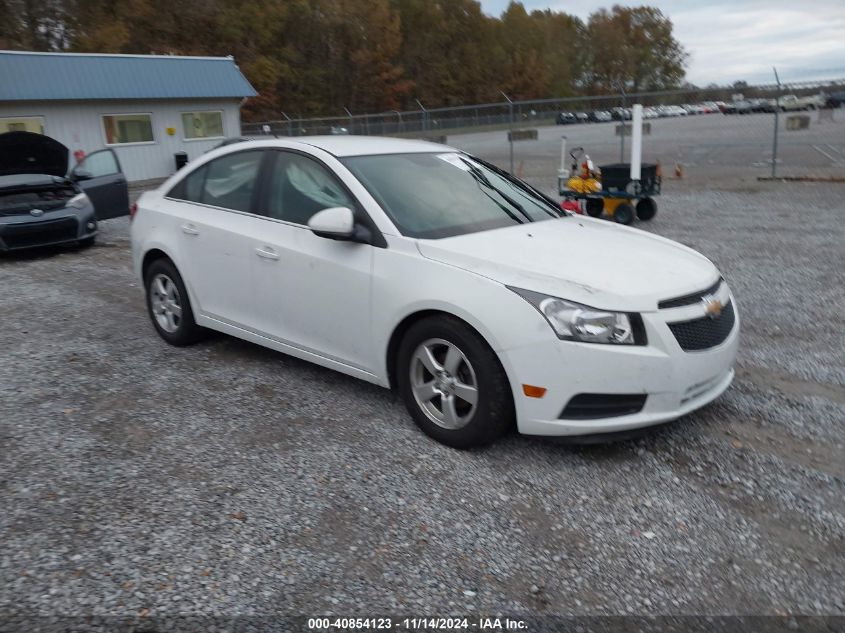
point(22, 124)
point(208, 124)
point(128, 128)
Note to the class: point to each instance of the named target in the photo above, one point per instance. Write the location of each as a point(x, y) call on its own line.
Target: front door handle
point(189, 229)
point(267, 253)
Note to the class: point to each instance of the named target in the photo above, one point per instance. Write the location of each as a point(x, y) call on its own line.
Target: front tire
point(88, 242)
point(453, 383)
point(169, 306)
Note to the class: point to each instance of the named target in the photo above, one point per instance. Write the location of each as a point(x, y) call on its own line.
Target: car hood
point(30, 153)
point(594, 262)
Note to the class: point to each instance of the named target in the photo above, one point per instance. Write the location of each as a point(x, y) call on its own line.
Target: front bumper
point(675, 381)
point(62, 226)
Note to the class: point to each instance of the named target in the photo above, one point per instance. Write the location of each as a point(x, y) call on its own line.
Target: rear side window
point(228, 182)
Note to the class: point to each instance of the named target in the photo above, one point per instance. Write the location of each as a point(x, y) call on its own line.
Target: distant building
point(145, 107)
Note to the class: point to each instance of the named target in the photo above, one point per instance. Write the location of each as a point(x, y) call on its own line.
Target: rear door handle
point(267, 253)
point(189, 229)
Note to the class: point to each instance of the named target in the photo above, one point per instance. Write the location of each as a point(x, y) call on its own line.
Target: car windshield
point(448, 193)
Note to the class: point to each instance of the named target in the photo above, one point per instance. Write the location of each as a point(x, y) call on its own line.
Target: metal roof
point(27, 76)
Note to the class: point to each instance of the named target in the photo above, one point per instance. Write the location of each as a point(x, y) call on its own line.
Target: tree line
point(320, 57)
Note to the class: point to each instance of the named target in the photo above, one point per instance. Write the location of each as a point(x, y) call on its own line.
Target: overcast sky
point(729, 40)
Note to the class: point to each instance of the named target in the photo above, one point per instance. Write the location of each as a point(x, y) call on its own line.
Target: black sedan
point(41, 205)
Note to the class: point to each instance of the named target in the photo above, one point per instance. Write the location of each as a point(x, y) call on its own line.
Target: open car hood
point(30, 153)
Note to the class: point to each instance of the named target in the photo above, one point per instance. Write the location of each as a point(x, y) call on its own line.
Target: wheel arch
point(405, 324)
point(152, 255)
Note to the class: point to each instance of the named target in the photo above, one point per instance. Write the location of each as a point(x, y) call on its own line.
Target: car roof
point(351, 145)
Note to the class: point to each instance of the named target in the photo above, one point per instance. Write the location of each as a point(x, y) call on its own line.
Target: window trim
point(202, 138)
point(259, 200)
point(29, 116)
point(135, 143)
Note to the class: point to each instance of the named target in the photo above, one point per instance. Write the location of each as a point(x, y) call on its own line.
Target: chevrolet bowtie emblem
point(712, 306)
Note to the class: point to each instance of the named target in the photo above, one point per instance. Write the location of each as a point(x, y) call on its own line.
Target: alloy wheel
point(165, 303)
point(444, 384)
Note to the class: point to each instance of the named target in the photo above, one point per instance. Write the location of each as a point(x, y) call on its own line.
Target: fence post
point(351, 123)
point(777, 117)
point(510, 127)
point(424, 116)
point(289, 124)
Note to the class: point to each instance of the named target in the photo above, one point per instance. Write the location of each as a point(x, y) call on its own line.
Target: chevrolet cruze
point(418, 267)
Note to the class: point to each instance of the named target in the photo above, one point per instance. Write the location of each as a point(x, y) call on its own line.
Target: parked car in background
point(792, 103)
point(582, 117)
point(566, 118)
point(650, 113)
point(738, 107)
point(600, 116)
point(307, 246)
point(41, 204)
point(835, 100)
point(621, 114)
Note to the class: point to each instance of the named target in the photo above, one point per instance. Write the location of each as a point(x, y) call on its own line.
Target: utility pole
point(510, 127)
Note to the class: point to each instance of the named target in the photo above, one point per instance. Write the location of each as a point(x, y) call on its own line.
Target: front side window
point(202, 124)
point(300, 187)
point(22, 124)
point(101, 163)
point(444, 194)
point(228, 182)
point(128, 128)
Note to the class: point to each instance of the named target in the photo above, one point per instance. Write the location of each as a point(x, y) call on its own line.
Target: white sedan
point(418, 267)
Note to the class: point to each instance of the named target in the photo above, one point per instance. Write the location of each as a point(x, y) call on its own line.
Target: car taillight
point(133, 210)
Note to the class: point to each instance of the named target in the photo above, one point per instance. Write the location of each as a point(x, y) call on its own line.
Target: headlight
point(576, 322)
point(79, 201)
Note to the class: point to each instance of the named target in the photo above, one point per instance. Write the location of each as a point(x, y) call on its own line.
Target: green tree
point(634, 47)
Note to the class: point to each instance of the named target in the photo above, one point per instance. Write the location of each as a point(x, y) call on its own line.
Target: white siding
point(79, 125)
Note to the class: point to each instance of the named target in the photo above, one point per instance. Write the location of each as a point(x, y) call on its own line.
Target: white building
point(146, 107)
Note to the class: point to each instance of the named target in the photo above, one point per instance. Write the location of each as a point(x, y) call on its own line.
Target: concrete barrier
point(522, 135)
point(798, 122)
point(627, 129)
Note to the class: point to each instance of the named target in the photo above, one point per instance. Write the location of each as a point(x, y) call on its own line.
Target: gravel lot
point(143, 480)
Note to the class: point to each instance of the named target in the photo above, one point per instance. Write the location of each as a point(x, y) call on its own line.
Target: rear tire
point(442, 366)
point(624, 213)
point(646, 209)
point(169, 306)
point(595, 207)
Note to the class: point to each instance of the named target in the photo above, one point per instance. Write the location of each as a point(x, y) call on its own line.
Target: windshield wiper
point(482, 179)
point(525, 187)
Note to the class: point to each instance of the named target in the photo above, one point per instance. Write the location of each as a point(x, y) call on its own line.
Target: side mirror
point(81, 174)
point(336, 223)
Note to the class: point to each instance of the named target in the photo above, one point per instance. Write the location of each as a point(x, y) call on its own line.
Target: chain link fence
point(782, 130)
